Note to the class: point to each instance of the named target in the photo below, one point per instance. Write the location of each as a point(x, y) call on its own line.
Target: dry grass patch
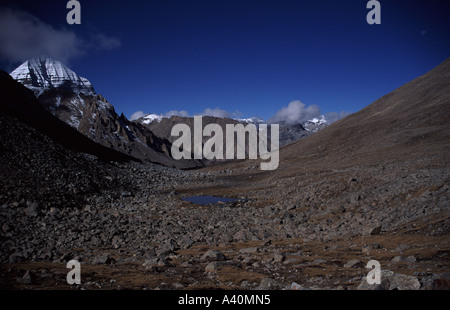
point(234, 275)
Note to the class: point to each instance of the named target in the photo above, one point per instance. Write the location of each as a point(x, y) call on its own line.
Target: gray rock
point(364, 285)
point(186, 243)
point(156, 262)
point(268, 284)
point(15, 258)
point(318, 261)
point(353, 263)
point(296, 287)
point(101, 200)
point(5, 227)
point(249, 250)
point(392, 281)
point(186, 264)
point(354, 198)
point(177, 286)
point(213, 255)
point(402, 247)
point(167, 248)
point(278, 258)
point(103, 259)
point(411, 259)
point(372, 231)
point(126, 194)
point(211, 267)
point(292, 260)
point(403, 282)
point(32, 210)
point(243, 235)
point(26, 279)
point(366, 249)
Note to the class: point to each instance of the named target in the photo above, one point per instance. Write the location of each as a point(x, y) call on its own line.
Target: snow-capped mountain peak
point(43, 73)
point(316, 124)
point(318, 120)
point(149, 118)
point(253, 120)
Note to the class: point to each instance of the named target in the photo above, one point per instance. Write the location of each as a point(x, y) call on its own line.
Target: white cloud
point(136, 115)
point(24, 36)
point(182, 113)
point(332, 117)
point(100, 41)
point(295, 112)
point(217, 112)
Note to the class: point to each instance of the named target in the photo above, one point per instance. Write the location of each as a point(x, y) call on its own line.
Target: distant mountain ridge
point(289, 132)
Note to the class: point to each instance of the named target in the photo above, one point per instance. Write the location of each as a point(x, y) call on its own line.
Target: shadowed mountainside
point(410, 122)
point(18, 101)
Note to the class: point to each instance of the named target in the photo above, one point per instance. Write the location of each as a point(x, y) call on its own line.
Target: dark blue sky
point(248, 56)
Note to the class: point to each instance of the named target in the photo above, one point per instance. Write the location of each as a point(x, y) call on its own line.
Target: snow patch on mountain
point(250, 120)
point(150, 118)
point(43, 73)
point(318, 120)
point(316, 124)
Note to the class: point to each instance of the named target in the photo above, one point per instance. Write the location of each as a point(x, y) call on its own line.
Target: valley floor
point(318, 234)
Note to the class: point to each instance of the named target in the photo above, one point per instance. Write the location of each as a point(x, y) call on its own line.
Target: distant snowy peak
point(318, 120)
point(313, 125)
point(150, 118)
point(251, 120)
point(316, 123)
point(43, 73)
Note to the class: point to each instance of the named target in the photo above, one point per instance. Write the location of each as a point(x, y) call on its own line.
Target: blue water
point(206, 200)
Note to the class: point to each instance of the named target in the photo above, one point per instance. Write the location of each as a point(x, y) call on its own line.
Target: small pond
point(208, 200)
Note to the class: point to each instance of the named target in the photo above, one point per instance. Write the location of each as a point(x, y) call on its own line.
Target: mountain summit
point(41, 73)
